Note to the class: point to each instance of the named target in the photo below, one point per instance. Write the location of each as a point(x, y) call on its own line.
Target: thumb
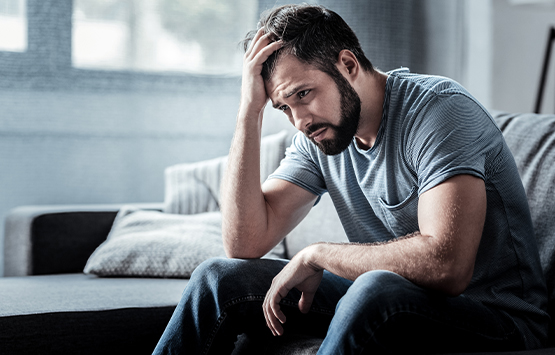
point(306, 301)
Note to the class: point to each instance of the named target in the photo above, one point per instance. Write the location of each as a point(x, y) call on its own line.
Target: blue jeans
point(380, 312)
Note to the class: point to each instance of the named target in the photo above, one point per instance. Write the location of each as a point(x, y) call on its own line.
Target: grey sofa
point(48, 306)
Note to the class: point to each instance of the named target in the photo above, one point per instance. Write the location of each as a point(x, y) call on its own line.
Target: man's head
point(311, 33)
point(316, 38)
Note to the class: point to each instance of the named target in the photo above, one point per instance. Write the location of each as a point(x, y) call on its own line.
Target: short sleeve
point(300, 168)
point(450, 136)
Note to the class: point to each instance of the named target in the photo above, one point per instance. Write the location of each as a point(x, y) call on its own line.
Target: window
point(13, 25)
point(195, 36)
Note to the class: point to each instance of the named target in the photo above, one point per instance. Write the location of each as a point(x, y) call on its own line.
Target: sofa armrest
point(40, 240)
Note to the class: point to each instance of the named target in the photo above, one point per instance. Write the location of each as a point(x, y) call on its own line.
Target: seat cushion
point(81, 314)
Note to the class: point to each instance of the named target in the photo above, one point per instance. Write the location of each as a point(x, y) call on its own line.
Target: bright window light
point(196, 36)
point(13, 25)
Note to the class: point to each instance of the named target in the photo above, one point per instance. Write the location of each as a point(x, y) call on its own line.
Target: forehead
point(291, 73)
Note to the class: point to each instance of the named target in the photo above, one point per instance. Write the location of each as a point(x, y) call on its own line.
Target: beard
point(348, 125)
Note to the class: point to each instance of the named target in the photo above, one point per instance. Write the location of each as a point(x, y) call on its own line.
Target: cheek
point(327, 108)
point(290, 118)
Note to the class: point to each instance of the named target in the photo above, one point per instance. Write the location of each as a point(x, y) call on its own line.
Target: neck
point(371, 92)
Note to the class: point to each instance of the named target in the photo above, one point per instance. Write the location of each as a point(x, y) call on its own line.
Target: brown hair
point(312, 33)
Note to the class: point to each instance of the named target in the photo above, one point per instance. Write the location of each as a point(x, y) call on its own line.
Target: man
point(442, 255)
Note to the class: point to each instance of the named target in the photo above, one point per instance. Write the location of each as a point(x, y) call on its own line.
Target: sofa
point(68, 290)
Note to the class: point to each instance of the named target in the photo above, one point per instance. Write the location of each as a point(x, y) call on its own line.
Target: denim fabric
point(380, 312)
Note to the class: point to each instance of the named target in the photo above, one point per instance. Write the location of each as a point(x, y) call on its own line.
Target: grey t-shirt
point(432, 129)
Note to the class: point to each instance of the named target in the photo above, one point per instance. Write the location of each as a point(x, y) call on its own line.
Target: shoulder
point(427, 101)
point(403, 79)
point(416, 91)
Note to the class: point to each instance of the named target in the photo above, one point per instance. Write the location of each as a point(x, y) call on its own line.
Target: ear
point(348, 65)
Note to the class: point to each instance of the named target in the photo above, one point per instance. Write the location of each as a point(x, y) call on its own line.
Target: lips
point(319, 134)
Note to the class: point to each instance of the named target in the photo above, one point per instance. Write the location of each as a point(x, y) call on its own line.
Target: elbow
point(455, 280)
point(234, 254)
point(234, 250)
point(240, 254)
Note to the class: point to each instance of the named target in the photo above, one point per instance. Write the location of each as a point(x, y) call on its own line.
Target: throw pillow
point(146, 243)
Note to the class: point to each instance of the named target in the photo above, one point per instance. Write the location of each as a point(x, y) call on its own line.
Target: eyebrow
point(291, 93)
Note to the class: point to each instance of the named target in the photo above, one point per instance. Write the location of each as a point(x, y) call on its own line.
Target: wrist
point(250, 116)
point(249, 108)
point(311, 256)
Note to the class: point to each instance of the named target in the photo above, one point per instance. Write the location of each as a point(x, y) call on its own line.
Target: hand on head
point(253, 93)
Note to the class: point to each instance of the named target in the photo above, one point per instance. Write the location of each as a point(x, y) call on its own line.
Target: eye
point(303, 93)
point(283, 108)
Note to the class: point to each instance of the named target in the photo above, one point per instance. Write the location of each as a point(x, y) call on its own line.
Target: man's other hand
point(299, 274)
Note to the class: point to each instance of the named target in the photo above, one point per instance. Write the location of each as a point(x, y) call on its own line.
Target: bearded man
point(441, 254)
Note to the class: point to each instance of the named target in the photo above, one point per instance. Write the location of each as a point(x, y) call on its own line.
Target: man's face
point(325, 109)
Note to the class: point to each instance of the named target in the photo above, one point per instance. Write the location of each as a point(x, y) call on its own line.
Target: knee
point(381, 282)
point(217, 270)
point(238, 274)
point(377, 291)
point(214, 280)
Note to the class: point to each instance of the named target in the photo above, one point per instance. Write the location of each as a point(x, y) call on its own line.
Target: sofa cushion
point(195, 187)
point(531, 139)
point(81, 314)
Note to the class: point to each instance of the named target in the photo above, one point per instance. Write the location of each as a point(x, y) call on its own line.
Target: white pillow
point(155, 244)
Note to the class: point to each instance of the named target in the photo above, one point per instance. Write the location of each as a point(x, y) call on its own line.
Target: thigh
point(384, 313)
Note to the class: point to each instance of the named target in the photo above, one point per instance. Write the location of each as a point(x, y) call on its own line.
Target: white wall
point(495, 48)
point(103, 147)
point(504, 51)
point(520, 36)
point(477, 51)
point(444, 33)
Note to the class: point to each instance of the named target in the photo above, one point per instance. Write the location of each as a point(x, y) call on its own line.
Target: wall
point(104, 147)
point(503, 51)
point(519, 40)
point(495, 48)
point(443, 33)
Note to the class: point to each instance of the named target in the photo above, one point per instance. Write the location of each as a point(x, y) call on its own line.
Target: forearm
point(440, 256)
point(243, 205)
point(419, 258)
point(242, 201)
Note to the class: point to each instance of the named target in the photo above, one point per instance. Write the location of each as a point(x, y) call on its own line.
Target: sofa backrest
point(531, 139)
point(195, 187)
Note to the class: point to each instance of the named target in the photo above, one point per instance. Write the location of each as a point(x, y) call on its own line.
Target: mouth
point(319, 134)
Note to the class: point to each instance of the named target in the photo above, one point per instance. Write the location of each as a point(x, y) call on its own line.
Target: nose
point(302, 118)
